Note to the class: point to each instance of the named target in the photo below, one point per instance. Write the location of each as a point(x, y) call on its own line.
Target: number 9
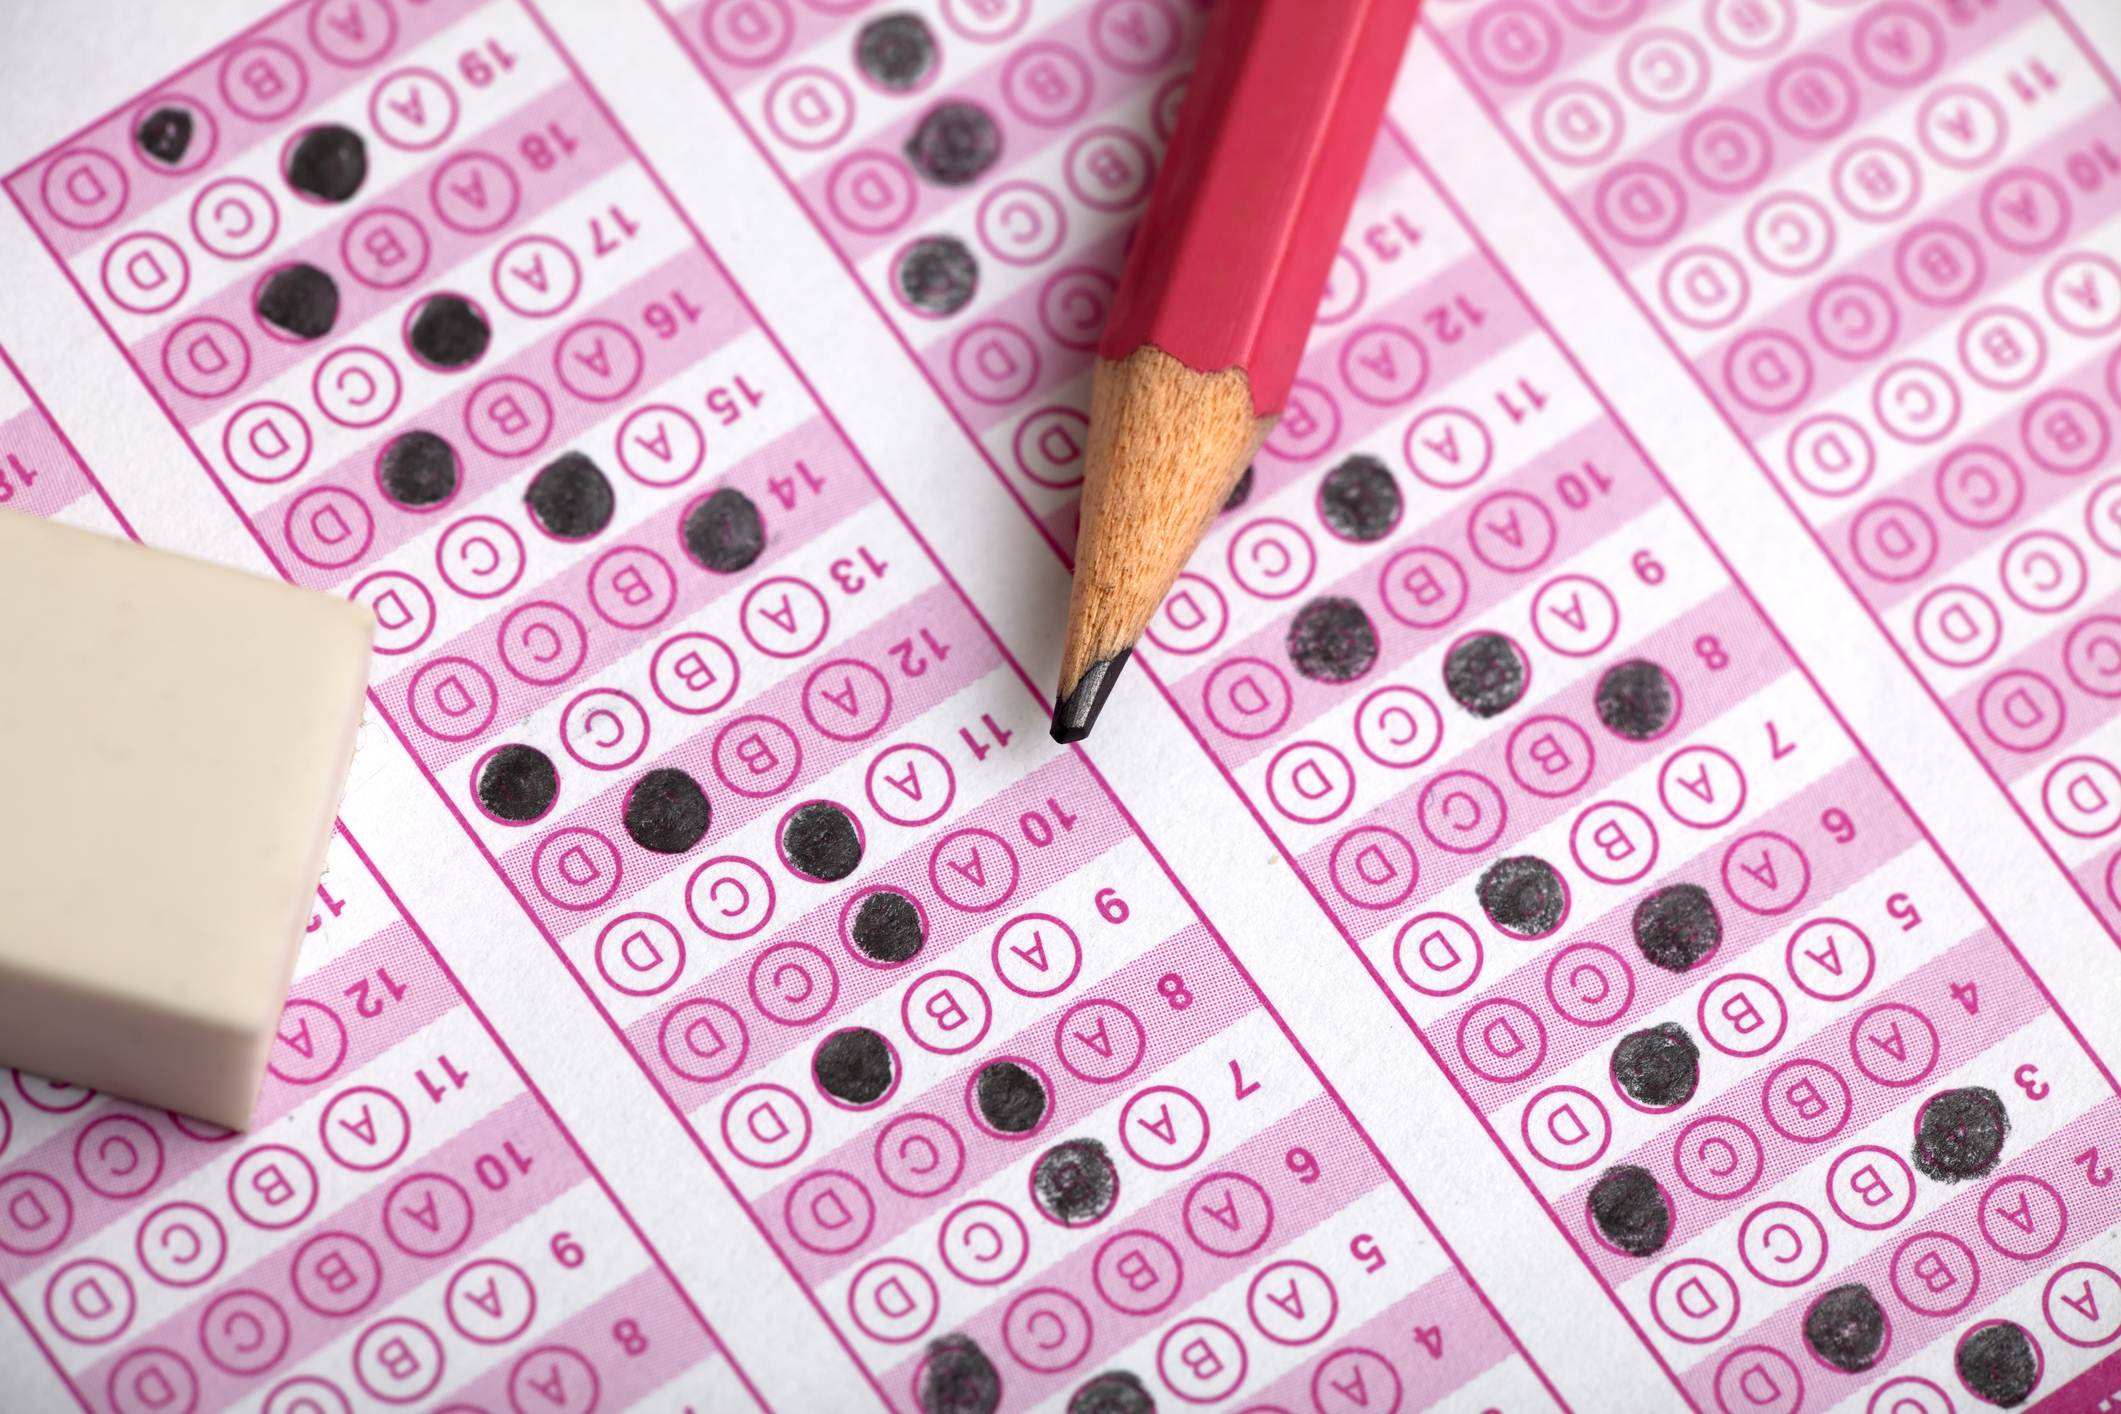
point(1303, 1166)
point(1836, 822)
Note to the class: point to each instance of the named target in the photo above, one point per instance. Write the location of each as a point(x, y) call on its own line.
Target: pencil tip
point(1075, 714)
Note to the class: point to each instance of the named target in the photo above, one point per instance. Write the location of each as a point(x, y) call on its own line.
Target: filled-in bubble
point(328, 163)
point(299, 300)
point(821, 842)
point(723, 532)
point(954, 144)
point(1485, 674)
point(417, 470)
point(1241, 492)
point(517, 783)
point(1112, 1392)
point(1011, 1099)
point(957, 1378)
point(1677, 926)
point(447, 331)
point(896, 51)
point(1359, 499)
point(1998, 1362)
point(853, 1066)
point(1074, 1183)
point(1658, 1067)
point(1846, 1328)
point(937, 275)
point(887, 927)
point(1959, 1133)
point(1630, 1210)
point(1331, 639)
point(570, 498)
point(165, 135)
point(1524, 896)
point(666, 811)
point(1637, 700)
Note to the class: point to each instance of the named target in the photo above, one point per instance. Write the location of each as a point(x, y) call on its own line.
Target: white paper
point(1258, 941)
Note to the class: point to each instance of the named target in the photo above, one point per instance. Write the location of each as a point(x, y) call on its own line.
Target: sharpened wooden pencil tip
point(1166, 445)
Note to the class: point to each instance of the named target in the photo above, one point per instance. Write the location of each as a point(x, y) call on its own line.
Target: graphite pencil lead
point(1075, 714)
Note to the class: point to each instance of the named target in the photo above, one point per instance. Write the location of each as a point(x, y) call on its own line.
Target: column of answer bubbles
point(1676, 940)
point(1885, 241)
point(978, 167)
point(405, 1221)
point(746, 755)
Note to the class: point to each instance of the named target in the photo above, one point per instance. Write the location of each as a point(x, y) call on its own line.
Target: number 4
point(1431, 1338)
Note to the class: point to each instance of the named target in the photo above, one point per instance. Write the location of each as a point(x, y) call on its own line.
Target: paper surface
point(1523, 938)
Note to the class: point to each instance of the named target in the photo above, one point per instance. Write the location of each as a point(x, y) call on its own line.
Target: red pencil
point(1219, 291)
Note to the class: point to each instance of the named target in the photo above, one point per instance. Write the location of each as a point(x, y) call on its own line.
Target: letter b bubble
point(1201, 1360)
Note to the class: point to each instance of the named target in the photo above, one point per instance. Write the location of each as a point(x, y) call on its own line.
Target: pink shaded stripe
point(554, 1169)
point(1833, 868)
point(660, 535)
point(724, 319)
point(667, 1335)
point(822, 925)
point(2082, 712)
point(1956, 542)
point(2008, 1001)
point(182, 1154)
point(272, 352)
point(1600, 443)
point(1916, 318)
point(972, 657)
point(1019, 139)
point(1707, 698)
point(39, 473)
point(1174, 1033)
point(1957, 42)
point(342, 988)
point(1347, 1171)
point(2092, 1212)
point(1447, 1307)
point(202, 85)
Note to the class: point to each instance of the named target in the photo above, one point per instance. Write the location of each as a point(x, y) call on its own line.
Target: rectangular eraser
point(174, 740)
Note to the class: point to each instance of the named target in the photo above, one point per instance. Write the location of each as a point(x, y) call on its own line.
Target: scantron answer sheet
point(1601, 892)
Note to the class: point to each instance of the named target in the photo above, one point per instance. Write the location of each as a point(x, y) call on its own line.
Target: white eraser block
point(174, 739)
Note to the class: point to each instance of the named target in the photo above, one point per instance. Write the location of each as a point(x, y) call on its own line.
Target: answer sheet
point(1600, 891)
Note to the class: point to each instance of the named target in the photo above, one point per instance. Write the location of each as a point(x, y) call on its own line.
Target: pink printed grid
point(228, 321)
point(2025, 210)
point(245, 90)
point(398, 974)
point(498, 662)
point(1892, 831)
point(1205, 1014)
point(1169, 1034)
point(947, 926)
point(1037, 96)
